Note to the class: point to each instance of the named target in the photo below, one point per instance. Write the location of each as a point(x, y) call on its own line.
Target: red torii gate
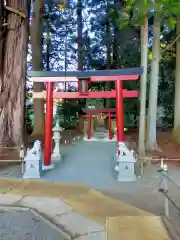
point(83, 79)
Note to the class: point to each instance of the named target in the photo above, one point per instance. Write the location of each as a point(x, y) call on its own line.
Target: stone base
point(94, 139)
point(49, 167)
point(130, 178)
point(125, 172)
point(56, 157)
point(31, 176)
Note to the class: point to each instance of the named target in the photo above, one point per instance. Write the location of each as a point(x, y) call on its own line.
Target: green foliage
point(123, 18)
point(166, 93)
point(29, 118)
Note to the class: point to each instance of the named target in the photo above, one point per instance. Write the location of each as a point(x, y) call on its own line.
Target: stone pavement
point(18, 223)
point(89, 164)
point(78, 211)
point(136, 227)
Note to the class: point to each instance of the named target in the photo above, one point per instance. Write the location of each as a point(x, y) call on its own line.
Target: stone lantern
point(57, 137)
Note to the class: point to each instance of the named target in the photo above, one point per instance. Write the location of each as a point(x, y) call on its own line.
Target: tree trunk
point(143, 85)
point(80, 52)
point(48, 38)
point(37, 65)
point(79, 35)
point(12, 85)
point(107, 102)
point(176, 130)
point(1, 35)
point(154, 79)
point(116, 49)
point(116, 44)
point(108, 40)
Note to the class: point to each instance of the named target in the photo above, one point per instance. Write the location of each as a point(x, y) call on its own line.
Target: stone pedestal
point(33, 162)
point(125, 167)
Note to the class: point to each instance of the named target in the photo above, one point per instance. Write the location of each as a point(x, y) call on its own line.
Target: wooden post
point(48, 124)
point(119, 111)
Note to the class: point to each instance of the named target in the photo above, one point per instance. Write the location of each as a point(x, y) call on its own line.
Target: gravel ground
point(24, 225)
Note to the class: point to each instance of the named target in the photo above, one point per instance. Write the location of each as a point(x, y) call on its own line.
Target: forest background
point(87, 35)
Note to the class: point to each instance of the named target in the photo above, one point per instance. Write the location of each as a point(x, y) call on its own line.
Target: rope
point(170, 179)
point(5, 161)
point(159, 159)
point(170, 199)
point(16, 147)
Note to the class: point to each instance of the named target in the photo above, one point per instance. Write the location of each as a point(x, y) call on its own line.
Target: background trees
point(93, 35)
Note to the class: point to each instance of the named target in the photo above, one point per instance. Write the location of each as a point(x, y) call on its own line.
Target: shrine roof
point(86, 74)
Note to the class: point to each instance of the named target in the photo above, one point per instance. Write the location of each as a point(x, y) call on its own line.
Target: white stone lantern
point(57, 137)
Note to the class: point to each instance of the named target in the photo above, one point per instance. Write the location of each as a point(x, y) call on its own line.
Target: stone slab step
point(136, 228)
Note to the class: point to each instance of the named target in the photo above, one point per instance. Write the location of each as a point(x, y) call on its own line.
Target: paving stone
point(19, 225)
point(93, 236)
point(77, 224)
point(48, 206)
point(9, 199)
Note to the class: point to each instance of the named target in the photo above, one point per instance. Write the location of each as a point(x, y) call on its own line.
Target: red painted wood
point(113, 78)
point(106, 94)
point(48, 125)
point(119, 111)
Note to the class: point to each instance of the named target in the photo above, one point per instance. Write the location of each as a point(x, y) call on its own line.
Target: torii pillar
point(119, 111)
point(48, 126)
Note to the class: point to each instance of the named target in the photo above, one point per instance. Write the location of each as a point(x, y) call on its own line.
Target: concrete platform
point(136, 228)
point(78, 211)
point(67, 195)
point(90, 163)
point(86, 166)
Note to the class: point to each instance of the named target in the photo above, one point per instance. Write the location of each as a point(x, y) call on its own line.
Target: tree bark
point(37, 65)
point(107, 102)
point(108, 40)
point(1, 34)
point(12, 84)
point(79, 35)
point(154, 80)
point(48, 39)
point(116, 45)
point(176, 130)
point(143, 85)
point(79, 51)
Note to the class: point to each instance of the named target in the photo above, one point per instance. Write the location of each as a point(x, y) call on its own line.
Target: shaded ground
point(9, 156)
point(18, 225)
point(170, 150)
